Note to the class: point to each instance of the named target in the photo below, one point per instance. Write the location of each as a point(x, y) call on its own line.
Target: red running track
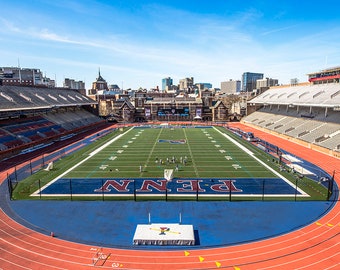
point(316, 246)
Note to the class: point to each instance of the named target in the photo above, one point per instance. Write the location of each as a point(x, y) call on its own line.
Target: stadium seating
point(306, 95)
point(18, 132)
point(18, 97)
point(309, 113)
point(34, 115)
point(70, 120)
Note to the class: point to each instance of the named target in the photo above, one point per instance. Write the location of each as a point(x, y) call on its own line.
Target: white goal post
point(168, 174)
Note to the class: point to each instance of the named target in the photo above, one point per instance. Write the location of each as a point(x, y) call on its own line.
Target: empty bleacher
point(69, 120)
point(31, 116)
point(306, 95)
point(309, 113)
point(19, 97)
point(17, 132)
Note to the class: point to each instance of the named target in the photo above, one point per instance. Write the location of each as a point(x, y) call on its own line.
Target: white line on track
point(40, 254)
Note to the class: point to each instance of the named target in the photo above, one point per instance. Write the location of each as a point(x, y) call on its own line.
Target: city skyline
point(138, 43)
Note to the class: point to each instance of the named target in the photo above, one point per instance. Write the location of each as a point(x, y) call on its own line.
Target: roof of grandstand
point(321, 95)
point(14, 98)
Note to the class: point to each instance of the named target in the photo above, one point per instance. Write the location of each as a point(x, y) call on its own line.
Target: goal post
point(49, 166)
point(169, 174)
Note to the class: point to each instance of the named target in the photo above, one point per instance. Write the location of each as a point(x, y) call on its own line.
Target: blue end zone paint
point(178, 186)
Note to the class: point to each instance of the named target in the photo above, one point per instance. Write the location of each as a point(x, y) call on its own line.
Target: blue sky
point(137, 43)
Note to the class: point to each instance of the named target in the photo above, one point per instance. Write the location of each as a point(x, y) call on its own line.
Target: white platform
point(160, 234)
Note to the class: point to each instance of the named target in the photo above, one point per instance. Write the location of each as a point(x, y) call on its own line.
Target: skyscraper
point(166, 83)
point(249, 81)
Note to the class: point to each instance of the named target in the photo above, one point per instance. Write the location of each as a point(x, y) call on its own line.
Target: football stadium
point(81, 192)
point(176, 163)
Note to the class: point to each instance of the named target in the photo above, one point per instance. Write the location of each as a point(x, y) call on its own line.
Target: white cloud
point(8, 26)
point(275, 30)
point(155, 42)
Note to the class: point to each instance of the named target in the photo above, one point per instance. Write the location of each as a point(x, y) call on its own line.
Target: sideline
point(246, 150)
point(37, 192)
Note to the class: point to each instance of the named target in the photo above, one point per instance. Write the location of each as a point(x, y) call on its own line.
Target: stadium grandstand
point(306, 113)
point(327, 75)
point(33, 117)
point(42, 234)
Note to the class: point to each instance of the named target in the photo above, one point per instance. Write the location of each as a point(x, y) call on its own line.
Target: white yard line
point(192, 157)
point(36, 193)
point(246, 150)
point(152, 150)
point(243, 148)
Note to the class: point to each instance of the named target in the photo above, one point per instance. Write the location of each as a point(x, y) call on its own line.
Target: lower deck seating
point(17, 132)
point(310, 129)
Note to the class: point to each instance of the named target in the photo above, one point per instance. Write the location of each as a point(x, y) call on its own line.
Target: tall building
point(167, 83)
point(249, 81)
point(187, 84)
point(202, 86)
point(231, 87)
point(267, 82)
point(24, 76)
point(72, 84)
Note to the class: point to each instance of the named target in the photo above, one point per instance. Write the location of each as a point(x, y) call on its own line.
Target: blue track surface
point(113, 224)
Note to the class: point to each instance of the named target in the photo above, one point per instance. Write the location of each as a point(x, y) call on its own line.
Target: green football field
point(146, 152)
point(219, 161)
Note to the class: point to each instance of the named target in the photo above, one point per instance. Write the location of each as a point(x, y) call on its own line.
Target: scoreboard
point(173, 111)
